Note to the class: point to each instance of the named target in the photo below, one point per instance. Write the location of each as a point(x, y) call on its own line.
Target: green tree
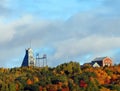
point(57, 79)
point(34, 87)
point(12, 87)
point(92, 87)
point(3, 87)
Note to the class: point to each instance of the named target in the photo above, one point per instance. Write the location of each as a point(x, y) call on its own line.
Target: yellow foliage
point(62, 72)
point(53, 87)
point(35, 79)
point(104, 89)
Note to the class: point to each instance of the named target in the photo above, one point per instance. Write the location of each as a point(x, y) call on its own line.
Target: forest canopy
point(65, 77)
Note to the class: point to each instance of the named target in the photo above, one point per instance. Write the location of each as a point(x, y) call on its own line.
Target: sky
point(64, 30)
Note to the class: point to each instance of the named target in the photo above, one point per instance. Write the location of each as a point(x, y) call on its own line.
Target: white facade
point(31, 60)
point(96, 65)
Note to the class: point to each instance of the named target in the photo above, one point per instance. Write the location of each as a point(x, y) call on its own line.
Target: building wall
point(29, 58)
point(96, 65)
point(102, 61)
point(107, 61)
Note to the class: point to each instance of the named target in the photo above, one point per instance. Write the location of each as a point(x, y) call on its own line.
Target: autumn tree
point(12, 87)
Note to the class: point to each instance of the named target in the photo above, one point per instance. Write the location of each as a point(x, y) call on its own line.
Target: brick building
point(102, 61)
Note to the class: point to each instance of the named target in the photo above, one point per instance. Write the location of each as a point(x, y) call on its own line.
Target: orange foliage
point(40, 88)
point(53, 88)
point(102, 76)
point(114, 77)
point(65, 89)
point(29, 82)
point(17, 87)
point(62, 72)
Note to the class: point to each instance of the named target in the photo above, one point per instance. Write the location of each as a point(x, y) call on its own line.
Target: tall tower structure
point(29, 58)
point(43, 59)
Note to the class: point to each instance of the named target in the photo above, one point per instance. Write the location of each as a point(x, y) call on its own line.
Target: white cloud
point(6, 33)
point(93, 32)
point(82, 34)
point(91, 44)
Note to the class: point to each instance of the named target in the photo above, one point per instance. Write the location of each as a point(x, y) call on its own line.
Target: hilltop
point(65, 77)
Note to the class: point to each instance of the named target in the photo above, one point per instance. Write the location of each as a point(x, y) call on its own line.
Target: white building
point(29, 59)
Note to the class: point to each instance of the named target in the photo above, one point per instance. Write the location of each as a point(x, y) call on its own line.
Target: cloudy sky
point(65, 30)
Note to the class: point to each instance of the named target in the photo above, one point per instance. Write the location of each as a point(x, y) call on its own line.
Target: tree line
point(65, 77)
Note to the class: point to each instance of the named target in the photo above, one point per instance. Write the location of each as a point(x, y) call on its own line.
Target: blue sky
point(51, 9)
point(65, 30)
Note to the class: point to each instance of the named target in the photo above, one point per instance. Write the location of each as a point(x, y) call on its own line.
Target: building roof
point(99, 59)
point(26, 59)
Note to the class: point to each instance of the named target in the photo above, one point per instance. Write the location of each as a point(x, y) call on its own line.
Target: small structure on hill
point(41, 61)
point(102, 61)
point(29, 59)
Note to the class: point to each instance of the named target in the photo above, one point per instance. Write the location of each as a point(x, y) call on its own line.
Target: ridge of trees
point(65, 77)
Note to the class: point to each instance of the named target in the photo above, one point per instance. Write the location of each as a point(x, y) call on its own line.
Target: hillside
point(65, 77)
